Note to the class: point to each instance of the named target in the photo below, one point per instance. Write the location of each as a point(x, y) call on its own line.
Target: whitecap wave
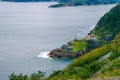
point(43, 54)
point(92, 27)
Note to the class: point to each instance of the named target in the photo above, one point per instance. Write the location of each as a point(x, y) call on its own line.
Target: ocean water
point(28, 31)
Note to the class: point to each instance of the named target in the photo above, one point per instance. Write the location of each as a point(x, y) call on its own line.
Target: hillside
point(109, 24)
point(63, 3)
point(102, 62)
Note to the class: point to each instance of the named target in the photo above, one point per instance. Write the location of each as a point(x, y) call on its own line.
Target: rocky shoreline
point(66, 50)
point(64, 54)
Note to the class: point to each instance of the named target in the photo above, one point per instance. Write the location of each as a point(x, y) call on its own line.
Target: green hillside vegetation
point(90, 2)
point(109, 24)
point(79, 46)
point(110, 70)
point(86, 66)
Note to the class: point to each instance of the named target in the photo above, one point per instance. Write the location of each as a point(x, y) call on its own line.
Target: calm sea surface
point(29, 30)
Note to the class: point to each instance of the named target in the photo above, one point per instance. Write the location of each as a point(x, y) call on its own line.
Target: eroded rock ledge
point(60, 53)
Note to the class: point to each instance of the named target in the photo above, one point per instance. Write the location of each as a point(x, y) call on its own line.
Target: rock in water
point(60, 53)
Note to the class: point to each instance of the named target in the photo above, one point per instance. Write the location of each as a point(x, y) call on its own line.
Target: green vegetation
point(78, 46)
point(35, 76)
point(90, 57)
point(89, 2)
point(110, 70)
point(89, 64)
point(109, 25)
point(83, 2)
point(116, 48)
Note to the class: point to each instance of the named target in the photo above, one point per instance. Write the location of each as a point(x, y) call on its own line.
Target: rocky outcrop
point(60, 53)
point(66, 50)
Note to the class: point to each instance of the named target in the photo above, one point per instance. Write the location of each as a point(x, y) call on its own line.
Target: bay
point(29, 30)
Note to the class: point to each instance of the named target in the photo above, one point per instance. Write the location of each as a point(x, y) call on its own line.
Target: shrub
point(79, 46)
point(35, 76)
point(90, 57)
point(111, 69)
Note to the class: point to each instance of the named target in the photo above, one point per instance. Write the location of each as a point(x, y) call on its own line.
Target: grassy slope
point(110, 70)
point(79, 46)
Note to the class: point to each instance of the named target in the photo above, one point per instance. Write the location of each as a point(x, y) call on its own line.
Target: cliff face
point(100, 63)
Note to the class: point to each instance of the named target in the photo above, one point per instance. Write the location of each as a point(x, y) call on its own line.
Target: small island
point(64, 3)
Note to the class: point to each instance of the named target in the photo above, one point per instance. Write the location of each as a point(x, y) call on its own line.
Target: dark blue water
point(27, 29)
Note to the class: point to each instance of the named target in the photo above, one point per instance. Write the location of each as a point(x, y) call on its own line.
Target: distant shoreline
point(69, 5)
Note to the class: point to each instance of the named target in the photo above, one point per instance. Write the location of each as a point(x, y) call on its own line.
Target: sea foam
point(92, 27)
point(43, 54)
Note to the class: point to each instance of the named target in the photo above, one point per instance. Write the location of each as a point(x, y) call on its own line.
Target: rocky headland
point(104, 33)
point(77, 48)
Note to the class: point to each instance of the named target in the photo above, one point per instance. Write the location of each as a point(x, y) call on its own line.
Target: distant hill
point(63, 3)
point(89, 2)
